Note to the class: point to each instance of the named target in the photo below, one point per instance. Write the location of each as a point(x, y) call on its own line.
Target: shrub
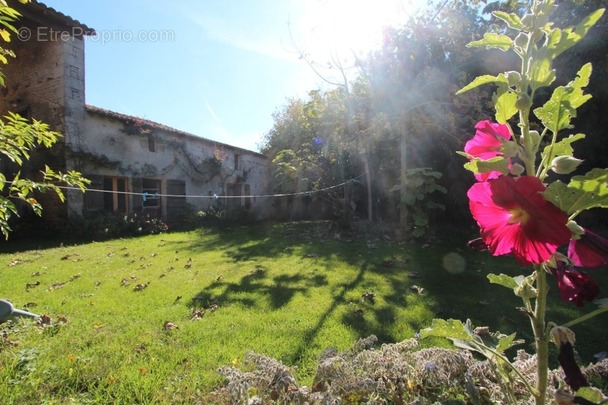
point(223, 217)
point(101, 226)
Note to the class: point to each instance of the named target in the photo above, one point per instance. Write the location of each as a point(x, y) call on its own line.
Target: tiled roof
point(37, 8)
point(130, 119)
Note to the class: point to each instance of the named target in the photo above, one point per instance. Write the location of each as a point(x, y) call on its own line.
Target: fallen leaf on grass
point(141, 348)
point(68, 256)
point(44, 320)
point(140, 287)
point(179, 297)
point(36, 274)
point(369, 297)
point(170, 326)
point(56, 286)
point(197, 313)
point(32, 285)
point(417, 289)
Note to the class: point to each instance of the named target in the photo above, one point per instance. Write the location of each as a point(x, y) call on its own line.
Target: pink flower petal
point(516, 219)
point(590, 251)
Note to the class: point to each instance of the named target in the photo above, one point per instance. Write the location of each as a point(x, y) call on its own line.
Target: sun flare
point(341, 27)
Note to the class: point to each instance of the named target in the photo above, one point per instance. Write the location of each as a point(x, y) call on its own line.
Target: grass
point(288, 291)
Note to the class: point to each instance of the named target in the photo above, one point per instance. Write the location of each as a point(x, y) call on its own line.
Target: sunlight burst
point(342, 27)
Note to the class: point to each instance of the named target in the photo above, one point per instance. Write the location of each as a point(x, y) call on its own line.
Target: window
point(151, 144)
point(247, 196)
point(116, 199)
point(231, 192)
point(237, 161)
point(240, 193)
point(151, 191)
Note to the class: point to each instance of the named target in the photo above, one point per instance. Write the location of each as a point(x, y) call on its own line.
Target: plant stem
point(541, 336)
point(585, 317)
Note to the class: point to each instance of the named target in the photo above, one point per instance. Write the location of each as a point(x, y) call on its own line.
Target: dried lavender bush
point(399, 373)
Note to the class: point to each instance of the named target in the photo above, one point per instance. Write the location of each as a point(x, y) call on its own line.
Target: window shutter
point(175, 205)
point(136, 186)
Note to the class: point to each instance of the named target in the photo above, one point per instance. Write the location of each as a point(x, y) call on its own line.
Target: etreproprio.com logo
point(49, 34)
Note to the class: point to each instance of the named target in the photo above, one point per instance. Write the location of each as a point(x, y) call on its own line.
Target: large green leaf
point(450, 329)
point(557, 112)
point(465, 336)
point(582, 193)
point(498, 163)
point(513, 21)
point(561, 40)
point(504, 102)
point(541, 73)
point(493, 41)
point(561, 148)
point(481, 80)
point(505, 280)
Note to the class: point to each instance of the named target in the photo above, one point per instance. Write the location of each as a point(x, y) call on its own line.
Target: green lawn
point(288, 291)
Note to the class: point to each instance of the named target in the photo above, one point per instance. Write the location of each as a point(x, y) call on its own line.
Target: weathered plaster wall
point(115, 147)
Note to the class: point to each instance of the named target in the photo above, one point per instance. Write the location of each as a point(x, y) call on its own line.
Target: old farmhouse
point(135, 165)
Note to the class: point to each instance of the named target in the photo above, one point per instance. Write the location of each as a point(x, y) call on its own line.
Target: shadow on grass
point(465, 294)
point(246, 243)
point(279, 289)
point(310, 241)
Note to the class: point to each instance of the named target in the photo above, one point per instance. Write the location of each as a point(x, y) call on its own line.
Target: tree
point(18, 138)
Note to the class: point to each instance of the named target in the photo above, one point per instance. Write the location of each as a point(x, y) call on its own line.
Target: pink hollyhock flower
point(487, 143)
point(590, 250)
point(515, 218)
point(575, 286)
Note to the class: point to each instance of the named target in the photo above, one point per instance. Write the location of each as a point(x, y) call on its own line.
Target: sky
point(219, 68)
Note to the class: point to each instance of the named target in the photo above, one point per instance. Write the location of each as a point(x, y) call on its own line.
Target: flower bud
point(509, 149)
point(565, 164)
point(521, 40)
point(514, 78)
point(517, 169)
point(576, 229)
point(525, 290)
point(528, 20)
point(523, 102)
point(534, 139)
point(561, 334)
point(537, 35)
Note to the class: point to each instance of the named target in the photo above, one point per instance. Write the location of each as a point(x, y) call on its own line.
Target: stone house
point(135, 165)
